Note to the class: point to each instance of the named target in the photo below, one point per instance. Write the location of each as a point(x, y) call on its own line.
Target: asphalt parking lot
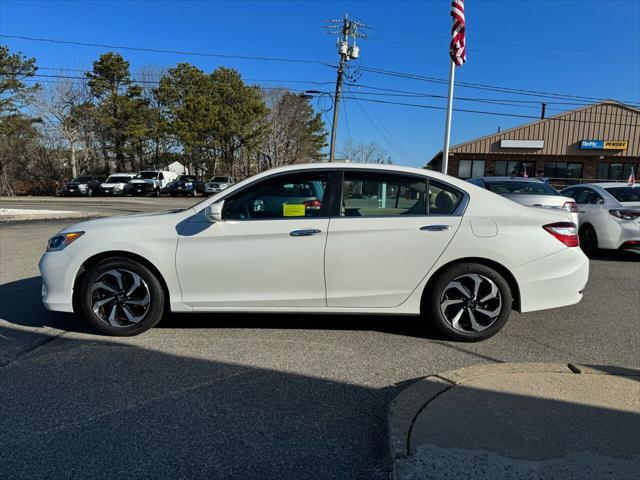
point(248, 396)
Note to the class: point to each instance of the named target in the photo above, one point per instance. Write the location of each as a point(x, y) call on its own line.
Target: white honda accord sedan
point(322, 238)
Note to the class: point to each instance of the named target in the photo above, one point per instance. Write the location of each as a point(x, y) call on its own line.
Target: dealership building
point(599, 142)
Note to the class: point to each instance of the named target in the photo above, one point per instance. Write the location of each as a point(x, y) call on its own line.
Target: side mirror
point(214, 212)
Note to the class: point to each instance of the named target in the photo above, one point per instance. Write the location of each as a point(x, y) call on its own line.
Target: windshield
point(625, 194)
point(117, 179)
point(82, 179)
point(220, 179)
point(186, 178)
point(511, 187)
point(147, 175)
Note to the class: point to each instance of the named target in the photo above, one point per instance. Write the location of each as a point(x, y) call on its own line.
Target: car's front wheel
point(469, 302)
point(122, 297)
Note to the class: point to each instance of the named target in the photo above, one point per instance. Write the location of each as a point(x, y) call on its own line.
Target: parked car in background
point(85, 185)
point(532, 192)
point(150, 182)
point(116, 184)
point(331, 238)
point(217, 184)
point(609, 215)
point(185, 185)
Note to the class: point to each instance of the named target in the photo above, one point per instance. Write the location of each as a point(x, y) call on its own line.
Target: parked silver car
point(217, 184)
point(531, 192)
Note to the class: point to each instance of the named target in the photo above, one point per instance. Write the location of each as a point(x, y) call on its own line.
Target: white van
point(151, 181)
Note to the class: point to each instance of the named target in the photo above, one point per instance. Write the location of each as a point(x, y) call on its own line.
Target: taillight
point(625, 214)
point(571, 206)
point(313, 204)
point(566, 232)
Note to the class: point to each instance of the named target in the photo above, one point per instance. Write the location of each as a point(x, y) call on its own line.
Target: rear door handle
point(435, 228)
point(304, 233)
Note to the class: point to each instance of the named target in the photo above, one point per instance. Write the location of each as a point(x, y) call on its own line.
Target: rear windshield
point(511, 187)
point(147, 175)
point(117, 179)
point(220, 179)
point(625, 194)
point(82, 179)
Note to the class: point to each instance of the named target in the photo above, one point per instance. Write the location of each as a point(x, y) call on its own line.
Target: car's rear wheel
point(588, 239)
point(122, 297)
point(470, 302)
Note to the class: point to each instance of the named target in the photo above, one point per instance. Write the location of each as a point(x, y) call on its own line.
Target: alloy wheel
point(120, 297)
point(471, 303)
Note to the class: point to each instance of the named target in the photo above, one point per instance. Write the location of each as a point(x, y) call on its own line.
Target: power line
point(481, 86)
point(157, 50)
point(369, 69)
point(502, 44)
point(484, 112)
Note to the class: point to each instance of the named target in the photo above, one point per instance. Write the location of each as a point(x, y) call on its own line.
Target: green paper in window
point(293, 210)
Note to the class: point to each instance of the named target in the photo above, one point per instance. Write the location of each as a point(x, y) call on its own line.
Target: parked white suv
point(151, 181)
point(217, 184)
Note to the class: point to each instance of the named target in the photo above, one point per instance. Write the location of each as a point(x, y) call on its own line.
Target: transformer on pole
point(347, 32)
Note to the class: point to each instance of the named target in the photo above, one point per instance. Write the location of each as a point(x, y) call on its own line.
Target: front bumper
point(553, 281)
point(140, 189)
point(57, 281)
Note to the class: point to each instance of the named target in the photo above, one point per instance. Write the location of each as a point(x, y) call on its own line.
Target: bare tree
point(359, 152)
point(57, 106)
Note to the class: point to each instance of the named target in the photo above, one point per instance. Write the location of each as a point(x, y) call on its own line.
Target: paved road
point(248, 396)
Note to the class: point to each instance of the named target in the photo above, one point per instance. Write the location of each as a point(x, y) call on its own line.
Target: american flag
point(632, 178)
point(458, 49)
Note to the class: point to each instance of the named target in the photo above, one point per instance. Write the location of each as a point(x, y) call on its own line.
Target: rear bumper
point(553, 281)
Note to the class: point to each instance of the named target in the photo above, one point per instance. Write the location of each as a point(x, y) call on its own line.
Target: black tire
point(156, 192)
point(588, 240)
point(460, 272)
point(154, 310)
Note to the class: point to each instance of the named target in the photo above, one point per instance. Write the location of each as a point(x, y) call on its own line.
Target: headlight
point(59, 242)
point(117, 187)
point(82, 187)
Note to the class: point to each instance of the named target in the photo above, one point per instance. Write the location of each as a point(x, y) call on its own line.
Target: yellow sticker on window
point(293, 210)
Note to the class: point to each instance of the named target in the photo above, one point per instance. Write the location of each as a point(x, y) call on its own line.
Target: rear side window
point(443, 200)
point(587, 196)
point(625, 194)
point(366, 194)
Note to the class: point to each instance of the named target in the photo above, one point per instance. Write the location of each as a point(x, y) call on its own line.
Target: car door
point(390, 230)
point(590, 207)
point(267, 252)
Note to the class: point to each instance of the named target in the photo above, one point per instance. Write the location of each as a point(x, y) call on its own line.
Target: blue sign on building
point(591, 144)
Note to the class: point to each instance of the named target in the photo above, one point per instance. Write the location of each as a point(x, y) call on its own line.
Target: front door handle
point(435, 228)
point(304, 233)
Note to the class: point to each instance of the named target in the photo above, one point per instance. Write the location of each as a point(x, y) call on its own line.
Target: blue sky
point(580, 48)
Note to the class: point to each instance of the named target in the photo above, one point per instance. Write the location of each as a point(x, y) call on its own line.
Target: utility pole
point(346, 29)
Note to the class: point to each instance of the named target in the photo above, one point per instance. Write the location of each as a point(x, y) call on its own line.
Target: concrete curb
point(406, 407)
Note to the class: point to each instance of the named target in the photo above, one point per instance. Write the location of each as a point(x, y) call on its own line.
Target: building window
point(615, 171)
point(471, 168)
point(570, 172)
point(514, 168)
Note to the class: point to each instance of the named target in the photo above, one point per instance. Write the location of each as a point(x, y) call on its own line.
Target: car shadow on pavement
point(20, 304)
point(616, 255)
point(104, 408)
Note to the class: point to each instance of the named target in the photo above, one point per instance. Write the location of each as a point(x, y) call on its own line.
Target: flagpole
point(447, 128)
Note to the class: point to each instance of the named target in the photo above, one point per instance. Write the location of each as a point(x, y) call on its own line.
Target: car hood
point(112, 184)
point(133, 220)
point(143, 180)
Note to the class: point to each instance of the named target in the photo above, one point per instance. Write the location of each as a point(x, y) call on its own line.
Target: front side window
point(587, 197)
point(283, 196)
